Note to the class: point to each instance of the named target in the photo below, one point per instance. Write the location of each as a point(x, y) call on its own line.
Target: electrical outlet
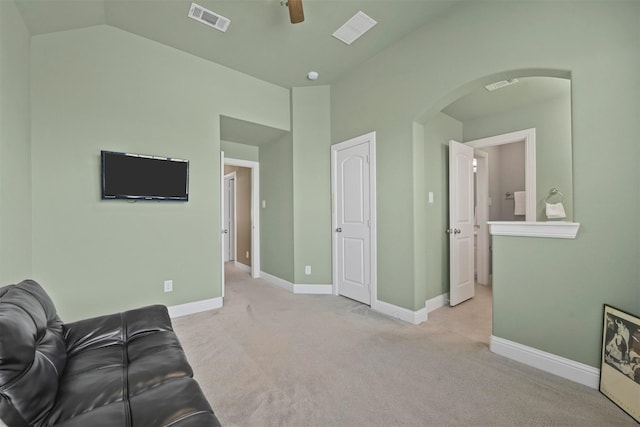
point(307, 270)
point(168, 285)
point(247, 255)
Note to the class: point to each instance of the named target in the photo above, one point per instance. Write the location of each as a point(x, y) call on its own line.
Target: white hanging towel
point(555, 210)
point(520, 200)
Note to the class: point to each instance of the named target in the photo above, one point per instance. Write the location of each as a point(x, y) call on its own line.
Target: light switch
point(264, 204)
point(430, 196)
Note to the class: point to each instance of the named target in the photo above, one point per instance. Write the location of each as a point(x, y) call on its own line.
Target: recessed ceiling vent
point(359, 24)
point(501, 84)
point(208, 17)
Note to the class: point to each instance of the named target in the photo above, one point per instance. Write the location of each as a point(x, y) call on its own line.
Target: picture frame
point(620, 363)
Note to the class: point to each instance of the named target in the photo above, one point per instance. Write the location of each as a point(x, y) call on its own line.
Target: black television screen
point(136, 176)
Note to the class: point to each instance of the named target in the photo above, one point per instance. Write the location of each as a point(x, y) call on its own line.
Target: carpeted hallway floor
point(272, 358)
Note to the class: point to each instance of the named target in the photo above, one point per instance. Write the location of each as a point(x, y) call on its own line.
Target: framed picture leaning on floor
point(620, 365)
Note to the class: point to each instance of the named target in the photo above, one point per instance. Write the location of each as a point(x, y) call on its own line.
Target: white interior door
point(461, 223)
point(229, 218)
point(352, 176)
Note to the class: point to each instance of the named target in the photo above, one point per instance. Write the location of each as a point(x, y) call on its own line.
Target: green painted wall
point(430, 68)
point(311, 184)
point(102, 88)
point(240, 151)
point(437, 133)
point(552, 121)
point(295, 183)
point(15, 147)
point(276, 218)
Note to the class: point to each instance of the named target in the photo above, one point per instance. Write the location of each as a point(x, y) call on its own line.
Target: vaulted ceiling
point(260, 40)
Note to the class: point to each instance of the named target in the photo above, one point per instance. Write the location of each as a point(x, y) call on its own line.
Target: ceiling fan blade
point(296, 14)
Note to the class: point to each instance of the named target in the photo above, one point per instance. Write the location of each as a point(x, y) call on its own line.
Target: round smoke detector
point(313, 75)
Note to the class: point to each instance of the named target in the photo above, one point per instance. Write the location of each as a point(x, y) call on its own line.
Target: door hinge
point(368, 161)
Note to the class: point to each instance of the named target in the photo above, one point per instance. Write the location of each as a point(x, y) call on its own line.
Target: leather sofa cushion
point(176, 403)
point(32, 353)
point(115, 361)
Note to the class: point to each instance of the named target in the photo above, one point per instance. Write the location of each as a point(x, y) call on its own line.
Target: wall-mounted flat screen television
point(140, 177)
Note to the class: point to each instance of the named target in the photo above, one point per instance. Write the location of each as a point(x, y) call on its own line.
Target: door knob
point(339, 230)
point(226, 231)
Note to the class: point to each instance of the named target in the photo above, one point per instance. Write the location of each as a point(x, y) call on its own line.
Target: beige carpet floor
point(472, 318)
point(272, 358)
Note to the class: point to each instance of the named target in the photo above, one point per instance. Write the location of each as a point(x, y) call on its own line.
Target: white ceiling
point(260, 40)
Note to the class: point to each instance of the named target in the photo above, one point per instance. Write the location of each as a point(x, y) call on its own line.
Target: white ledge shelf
point(550, 229)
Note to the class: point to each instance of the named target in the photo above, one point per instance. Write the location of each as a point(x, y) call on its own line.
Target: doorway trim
point(482, 217)
point(234, 219)
point(370, 139)
point(255, 213)
point(528, 136)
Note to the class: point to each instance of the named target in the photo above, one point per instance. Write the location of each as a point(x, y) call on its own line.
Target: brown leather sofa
point(126, 369)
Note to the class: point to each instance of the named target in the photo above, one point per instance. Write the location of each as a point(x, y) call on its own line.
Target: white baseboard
point(557, 365)
point(312, 289)
point(297, 288)
point(277, 281)
point(242, 266)
point(414, 317)
point(436, 302)
point(194, 307)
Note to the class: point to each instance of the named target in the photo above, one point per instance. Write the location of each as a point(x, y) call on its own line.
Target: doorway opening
point(504, 189)
point(239, 216)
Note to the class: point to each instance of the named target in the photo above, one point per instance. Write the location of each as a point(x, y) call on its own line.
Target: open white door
point(461, 223)
point(353, 182)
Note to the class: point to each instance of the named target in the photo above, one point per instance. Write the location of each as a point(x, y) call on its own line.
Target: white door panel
point(461, 223)
point(354, 255)
point(353, 204)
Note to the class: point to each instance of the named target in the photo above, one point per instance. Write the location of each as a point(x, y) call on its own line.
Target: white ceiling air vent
point(359, 24)
point(501, 83)
point(208, 17)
